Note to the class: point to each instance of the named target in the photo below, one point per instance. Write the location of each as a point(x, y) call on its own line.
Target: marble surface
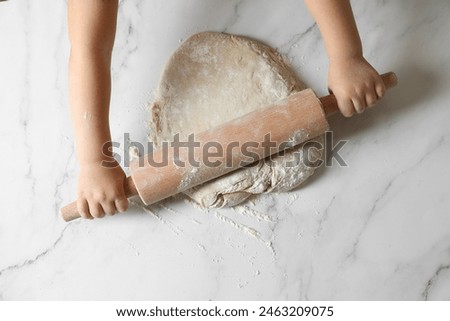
point(376, 230)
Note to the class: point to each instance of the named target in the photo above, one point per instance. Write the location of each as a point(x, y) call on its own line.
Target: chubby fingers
point(83, 208)
point(121, 204)
point(99, 207)
point(375, 92)
point(96, 209)
point(380, 87)
point(116, 203)
point(358, 99)
point(371, 98)
point(109, 207)
point(350, 102)
point(346, 106)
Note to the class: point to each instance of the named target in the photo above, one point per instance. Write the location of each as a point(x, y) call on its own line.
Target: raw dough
point(213, 78)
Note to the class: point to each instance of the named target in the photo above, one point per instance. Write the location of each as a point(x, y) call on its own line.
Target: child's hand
point(101, 191)
point(355, 83)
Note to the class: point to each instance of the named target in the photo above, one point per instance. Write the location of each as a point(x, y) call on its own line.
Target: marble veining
point(378, 229)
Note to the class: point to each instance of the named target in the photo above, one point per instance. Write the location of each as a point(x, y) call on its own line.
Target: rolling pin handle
point(70, 212)
point(329, 103)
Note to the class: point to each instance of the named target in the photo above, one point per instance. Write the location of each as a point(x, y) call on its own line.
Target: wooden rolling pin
point(294, 120)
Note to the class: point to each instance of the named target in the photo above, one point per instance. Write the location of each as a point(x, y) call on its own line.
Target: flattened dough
point(211, 79)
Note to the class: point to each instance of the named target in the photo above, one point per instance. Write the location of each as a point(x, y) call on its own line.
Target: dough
point(213, 78)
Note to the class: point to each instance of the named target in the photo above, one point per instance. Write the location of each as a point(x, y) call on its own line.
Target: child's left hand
point(355, 83)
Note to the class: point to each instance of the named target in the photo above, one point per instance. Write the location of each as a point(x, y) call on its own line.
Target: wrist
point(107, 163)
point(339, 58)
point(104, 158)
point(94, 151)
point(95, 162)
point(345, 52)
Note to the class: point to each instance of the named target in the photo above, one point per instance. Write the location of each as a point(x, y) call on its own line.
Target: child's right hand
point(101, 191)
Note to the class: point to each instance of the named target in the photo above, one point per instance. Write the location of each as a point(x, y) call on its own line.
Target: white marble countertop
point(376, 230)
